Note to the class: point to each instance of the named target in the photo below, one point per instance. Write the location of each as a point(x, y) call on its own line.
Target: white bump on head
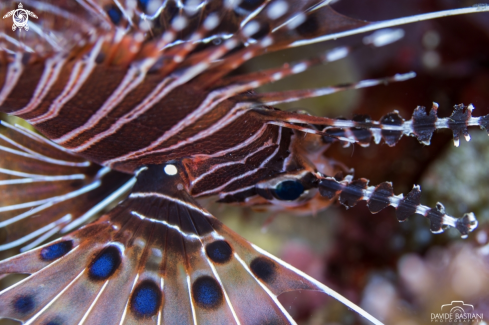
point(277, 9)
point(251, 28)
point(211, 21)
point(179, 23)
point(171, 170)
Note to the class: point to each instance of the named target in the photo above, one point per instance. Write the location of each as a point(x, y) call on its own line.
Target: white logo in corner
point(20, 17)
point(457, 311)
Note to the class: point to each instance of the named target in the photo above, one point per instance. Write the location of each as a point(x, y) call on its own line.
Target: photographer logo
point(20, 17)
point(457, 312)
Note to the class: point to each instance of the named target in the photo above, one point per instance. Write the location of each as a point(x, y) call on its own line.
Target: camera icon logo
point(458, 308)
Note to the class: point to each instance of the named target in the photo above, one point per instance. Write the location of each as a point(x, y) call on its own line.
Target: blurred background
point(399, 272)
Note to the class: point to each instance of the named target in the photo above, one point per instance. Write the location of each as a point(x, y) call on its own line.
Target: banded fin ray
point(391, 127)
point(44, 188)
point(157, 258)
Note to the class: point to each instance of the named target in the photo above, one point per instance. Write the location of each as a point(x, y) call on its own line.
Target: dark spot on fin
point(105, 264)
point(146, 299)
point(264, 268)
point(57, 250)
point(207, 293)
point(219, 251)
point(24, 304)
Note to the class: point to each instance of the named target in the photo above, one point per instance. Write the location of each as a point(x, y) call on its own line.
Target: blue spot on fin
point(105, 264)
point(146, 299)
point(57, 250)
point(207, 292)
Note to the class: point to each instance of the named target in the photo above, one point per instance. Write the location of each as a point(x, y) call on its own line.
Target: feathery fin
point(157, 256)
point(45, 188)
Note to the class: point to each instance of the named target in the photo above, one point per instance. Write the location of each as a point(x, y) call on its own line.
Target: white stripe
point(99, 206)
point(35, 155)
point(236, 112)
point(41, 177)
point(274, 297)
point(145, 105)
point(194, 316)
point(159, 93)
point(21, 282)
point(40, 240)
point(169, 198)
point(93, 303)
point(47, 203)
point(177, 228)
point(14, 71)
point(76, 81)
point(34, 136)
point(30, 180)
point(48, 78)
point(321, 286)
point(219, 166)
point(210, 102)
point(162, 285)
point(251, 172)
point(391, 23)
point(223, 194)
point(248, 141)
point(31, 320)
point(36, 233)
point(127, 303)
point(125, 87)
point(214, 271)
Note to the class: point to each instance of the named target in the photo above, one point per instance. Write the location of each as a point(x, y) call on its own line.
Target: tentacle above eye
point(349, 192)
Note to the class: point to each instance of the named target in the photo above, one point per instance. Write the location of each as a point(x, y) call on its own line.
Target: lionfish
point(144, 96)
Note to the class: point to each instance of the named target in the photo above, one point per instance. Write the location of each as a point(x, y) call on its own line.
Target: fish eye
point(288, 190)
